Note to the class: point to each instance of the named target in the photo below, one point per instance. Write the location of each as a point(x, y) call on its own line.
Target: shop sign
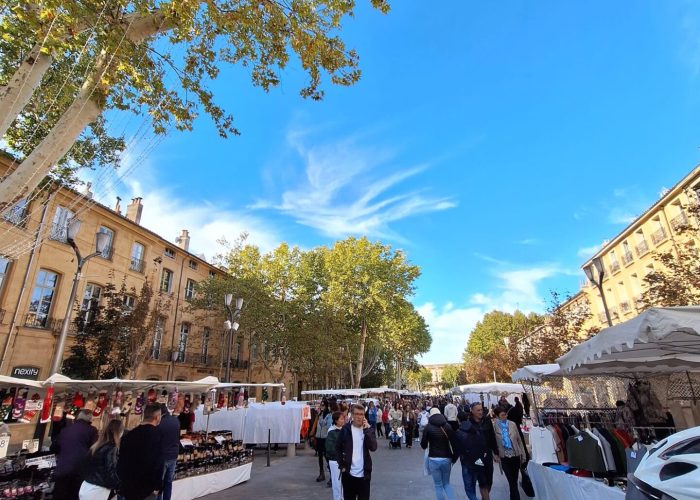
point(28, 372)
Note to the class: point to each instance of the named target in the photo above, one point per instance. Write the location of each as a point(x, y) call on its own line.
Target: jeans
point(168, 476)
point(387, 429)
point(440, 469)
point(469, 480)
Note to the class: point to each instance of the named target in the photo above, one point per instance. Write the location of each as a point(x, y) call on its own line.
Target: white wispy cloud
point(351, 188)
point(166, 213)
point(528, 241)
point(449, 327)
point(587, 252)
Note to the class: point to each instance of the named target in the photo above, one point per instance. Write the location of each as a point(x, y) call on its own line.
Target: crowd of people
point(136, 465)
point(449, 432)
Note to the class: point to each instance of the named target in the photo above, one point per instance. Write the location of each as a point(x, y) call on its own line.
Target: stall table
point(198, 486)
point(555, 485)
point(282, 421)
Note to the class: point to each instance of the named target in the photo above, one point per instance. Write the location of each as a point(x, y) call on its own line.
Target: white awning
point(492, 388)
point(534, 373)
point(61, 382)
point(660, 340)
point(14, 381)
point(336, 392)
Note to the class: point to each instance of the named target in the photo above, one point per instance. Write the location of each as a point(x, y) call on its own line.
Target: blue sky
point(496, 143)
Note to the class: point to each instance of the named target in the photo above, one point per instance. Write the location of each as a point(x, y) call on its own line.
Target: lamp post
point(231, 326)
point(101, 241)
point(598, 265)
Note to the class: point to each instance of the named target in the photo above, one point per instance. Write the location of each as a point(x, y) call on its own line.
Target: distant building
point(436, 371)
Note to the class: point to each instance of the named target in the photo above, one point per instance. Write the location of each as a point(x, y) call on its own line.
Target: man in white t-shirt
point(355, 441)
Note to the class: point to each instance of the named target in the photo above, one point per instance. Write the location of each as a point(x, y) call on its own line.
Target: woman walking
point(510, 449)
point(338, 422)
point(101, 468)
point(439, 438)
point(385, 420)
point(324, 422)
point(409, 424)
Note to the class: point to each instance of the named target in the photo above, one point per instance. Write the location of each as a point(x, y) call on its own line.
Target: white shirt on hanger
point(543, 447)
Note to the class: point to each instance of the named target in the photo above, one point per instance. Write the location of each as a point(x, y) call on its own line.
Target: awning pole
point(534, 403)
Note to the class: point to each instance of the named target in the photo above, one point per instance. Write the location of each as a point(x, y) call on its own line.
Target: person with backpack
point(477, 450)
point(439, 439)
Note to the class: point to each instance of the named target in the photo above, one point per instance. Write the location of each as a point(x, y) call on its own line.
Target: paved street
point(397, 474)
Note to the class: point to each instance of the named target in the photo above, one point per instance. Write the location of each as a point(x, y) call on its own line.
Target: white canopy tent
point(660, 340)
point(335, 392)
point(495, 388)
point(535, 373)
point(63, 383)
point(19, 382)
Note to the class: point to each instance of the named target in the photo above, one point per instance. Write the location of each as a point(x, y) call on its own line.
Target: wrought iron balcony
point(136, 265)
point(614, 267)
point(17, 215)
point(658, 236)
point(642, 248)
point(35, 320)
point(107, 253)
point(59, 232)
point(680, 222)
point(627, 257)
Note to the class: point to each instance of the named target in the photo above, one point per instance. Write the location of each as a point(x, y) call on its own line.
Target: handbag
point(454, 456)
point(526, 483)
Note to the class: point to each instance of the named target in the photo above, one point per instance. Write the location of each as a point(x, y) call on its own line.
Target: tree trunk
point(361, 355)
point(16, 94)
point(84, 110)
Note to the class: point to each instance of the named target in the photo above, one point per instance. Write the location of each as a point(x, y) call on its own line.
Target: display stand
point(206, 484)
point(552, 484)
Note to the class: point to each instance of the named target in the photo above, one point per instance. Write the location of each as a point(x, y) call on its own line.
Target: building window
point(206, 336)
point(42, 297)
point(169, 252)
point(157, 338)
point(253, 352)
point(212, 274)
point(129, 302)
point(59, 227)
point(166, 281)
point(107, 252)
point(90, 303)
point(4, 268)
point(193, 264)
point(18, 213)
point(137, 253)
point(189, 289)
point(182, 344)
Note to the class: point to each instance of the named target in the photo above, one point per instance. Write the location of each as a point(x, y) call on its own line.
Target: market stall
point(617, 394)
point(490, 392)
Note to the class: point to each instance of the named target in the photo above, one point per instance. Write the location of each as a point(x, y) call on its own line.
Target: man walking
point(477, 449)
point(71, 448)
point(355, 441)
point(140, 466)
point(169, 430)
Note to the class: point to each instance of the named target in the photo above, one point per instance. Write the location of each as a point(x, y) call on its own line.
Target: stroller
point(395, 436)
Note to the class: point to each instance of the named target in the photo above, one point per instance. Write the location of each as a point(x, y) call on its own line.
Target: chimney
point(118, 207)
point(134, 209)
point(183, 241)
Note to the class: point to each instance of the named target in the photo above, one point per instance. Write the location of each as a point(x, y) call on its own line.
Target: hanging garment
point(543, 446)
point(607, 451)
point(585, 453)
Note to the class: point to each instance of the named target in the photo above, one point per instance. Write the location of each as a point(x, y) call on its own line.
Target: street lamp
point(231, 325)
point(101, 242)
point(598, 265)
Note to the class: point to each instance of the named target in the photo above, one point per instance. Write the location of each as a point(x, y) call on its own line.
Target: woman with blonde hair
point(101, 469)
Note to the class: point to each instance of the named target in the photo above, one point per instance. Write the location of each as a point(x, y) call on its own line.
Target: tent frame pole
point(534, 403)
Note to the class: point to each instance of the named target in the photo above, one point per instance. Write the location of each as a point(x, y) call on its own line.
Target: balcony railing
point(59, 232)
point(34, 320)
point(627, 257)
point(680, 222)
point(107, 253)
point(642, 248)
point(614, 267)
point(136, 265)
point(17, 215)
point(658, 236)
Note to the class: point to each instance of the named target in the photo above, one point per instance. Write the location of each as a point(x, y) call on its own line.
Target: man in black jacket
point(71, 448)
point(169, 430)
point(354, 443)
point(140, 465)
point(477, 449)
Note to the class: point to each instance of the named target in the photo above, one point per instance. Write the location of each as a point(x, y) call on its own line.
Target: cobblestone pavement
point(397, 474)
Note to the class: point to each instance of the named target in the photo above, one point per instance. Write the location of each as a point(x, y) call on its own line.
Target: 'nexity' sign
point(28, 372)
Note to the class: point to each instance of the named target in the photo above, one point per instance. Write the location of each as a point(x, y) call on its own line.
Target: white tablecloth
point(555, 485)
point(223, 420)
point(199, 486)
point(283, 421)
